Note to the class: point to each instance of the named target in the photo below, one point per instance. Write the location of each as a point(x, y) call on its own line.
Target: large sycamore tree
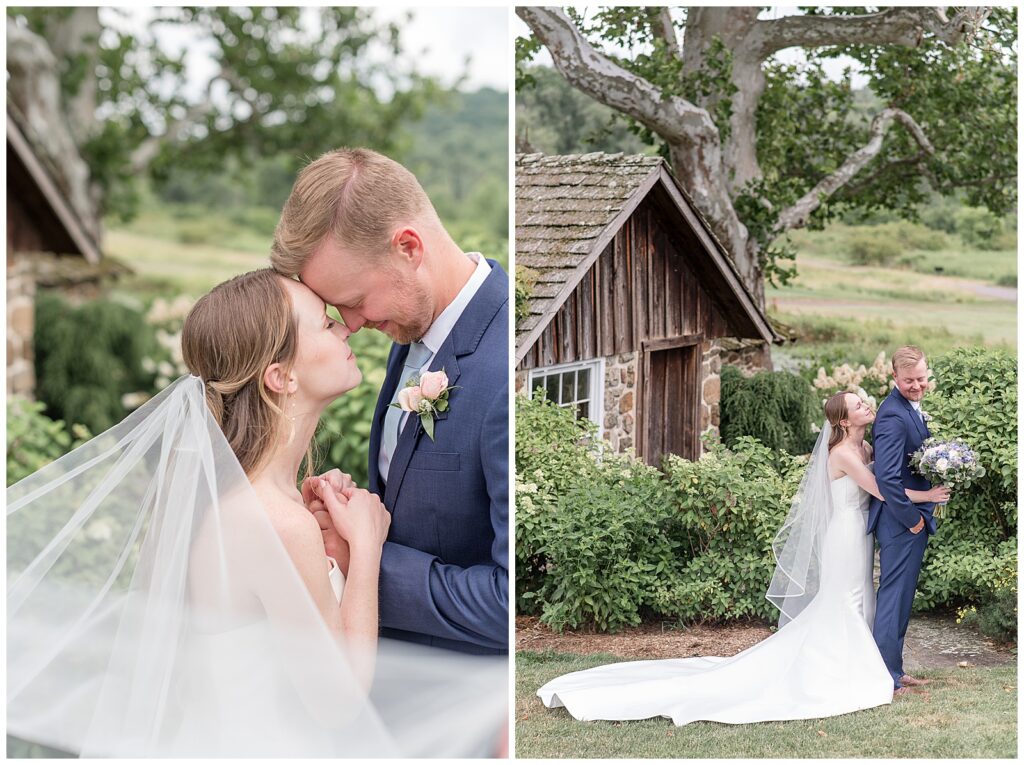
point(109, 103)
point(764, 146)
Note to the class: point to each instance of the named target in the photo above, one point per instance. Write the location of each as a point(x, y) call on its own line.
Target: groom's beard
point(417, 316)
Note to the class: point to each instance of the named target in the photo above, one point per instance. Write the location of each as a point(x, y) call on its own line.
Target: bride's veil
point(152, 610)
point(798, 544)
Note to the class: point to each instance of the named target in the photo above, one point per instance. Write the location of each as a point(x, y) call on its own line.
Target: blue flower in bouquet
point(949, 462)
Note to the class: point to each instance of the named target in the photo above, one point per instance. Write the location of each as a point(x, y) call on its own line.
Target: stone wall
point(711, 387)
point(619, 426)
point(21, 290)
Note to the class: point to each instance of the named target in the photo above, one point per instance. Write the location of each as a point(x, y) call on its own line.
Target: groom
point(360, 232)
point(900, 526)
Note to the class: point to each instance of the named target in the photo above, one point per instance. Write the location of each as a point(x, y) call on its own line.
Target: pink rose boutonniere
point(425, 397)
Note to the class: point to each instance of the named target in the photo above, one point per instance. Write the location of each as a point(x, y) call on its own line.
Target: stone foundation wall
point(711, 387)
point(748, 356)
point(619, 426)
point(21, 291)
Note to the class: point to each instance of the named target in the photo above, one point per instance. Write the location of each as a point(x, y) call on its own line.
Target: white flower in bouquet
point(949, 462)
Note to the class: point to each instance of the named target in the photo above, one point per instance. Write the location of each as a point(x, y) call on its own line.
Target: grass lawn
point(906, 302)
point(165, 266)
point(967, 713)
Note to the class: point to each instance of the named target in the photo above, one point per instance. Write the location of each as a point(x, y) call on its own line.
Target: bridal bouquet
point(949, 462)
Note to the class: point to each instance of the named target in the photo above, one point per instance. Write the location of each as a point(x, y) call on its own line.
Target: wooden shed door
point(671, 414)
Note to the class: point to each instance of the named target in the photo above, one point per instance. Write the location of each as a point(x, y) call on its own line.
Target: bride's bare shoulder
point(291, 520)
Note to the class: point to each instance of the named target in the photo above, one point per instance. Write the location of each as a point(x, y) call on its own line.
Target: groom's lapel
point(462, 341)
point(396, 362)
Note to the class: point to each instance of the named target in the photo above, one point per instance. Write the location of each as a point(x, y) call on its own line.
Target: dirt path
point(933, 642)
point(938, 283)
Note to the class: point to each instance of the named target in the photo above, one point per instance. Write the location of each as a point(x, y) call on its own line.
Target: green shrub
point(776, 408)
point(609, 548)
point(87, 358)
point(1007, 280)
point(34, 440)
point(552, 450)
point(525, 281)
point(731, 503)
point(978, 227)
point(975, 399)
point(343, 436)
point(996, 618)
point(872, 248)
point(197, 232)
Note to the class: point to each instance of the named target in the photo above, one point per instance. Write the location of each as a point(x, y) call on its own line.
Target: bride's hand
point(938, 494)
point(335, 545)
point(339, 482)
point(359, 516)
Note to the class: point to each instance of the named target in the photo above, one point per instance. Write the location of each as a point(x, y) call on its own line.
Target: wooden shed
point(631, 300)
point(40, 219)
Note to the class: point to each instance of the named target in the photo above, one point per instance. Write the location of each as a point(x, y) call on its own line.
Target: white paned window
point(578, 386)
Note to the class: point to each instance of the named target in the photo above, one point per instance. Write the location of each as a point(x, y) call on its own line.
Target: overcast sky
point(439, 39)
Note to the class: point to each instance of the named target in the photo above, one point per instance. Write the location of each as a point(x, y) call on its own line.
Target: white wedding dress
point(153, 611)
point(822, 663)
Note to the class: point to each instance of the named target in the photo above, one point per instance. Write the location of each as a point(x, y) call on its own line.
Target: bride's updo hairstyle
point(230, 337)
point(836, 412)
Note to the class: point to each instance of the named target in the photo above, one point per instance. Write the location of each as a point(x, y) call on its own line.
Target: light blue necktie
point(418, 355)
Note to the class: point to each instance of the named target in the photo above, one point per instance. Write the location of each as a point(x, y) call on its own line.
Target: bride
point(823, 660)
point(171, 593)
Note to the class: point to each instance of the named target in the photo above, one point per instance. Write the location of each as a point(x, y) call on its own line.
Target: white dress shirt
point(438, 333)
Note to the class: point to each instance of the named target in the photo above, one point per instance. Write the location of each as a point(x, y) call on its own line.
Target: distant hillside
point(460, 155)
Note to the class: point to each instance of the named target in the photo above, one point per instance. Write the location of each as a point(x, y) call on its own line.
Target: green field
point(891, 305)
point(966, 713)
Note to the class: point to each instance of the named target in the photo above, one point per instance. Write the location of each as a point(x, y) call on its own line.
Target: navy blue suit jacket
point(897, 433)
point(444, 568)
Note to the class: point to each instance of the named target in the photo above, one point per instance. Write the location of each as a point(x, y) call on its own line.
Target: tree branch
point(798, 214)
point(146, 151)
point(663, 27)
point(894, 26)
point(674, 118)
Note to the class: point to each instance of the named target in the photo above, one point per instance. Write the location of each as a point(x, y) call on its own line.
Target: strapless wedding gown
point(222, 664)
point(823, 663)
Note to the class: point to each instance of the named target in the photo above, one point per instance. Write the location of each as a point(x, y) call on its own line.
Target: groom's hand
point(335, 545)
point(339, 482)
point(917, 529)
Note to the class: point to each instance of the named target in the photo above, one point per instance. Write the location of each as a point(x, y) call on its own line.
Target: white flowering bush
point(166, 317)
point(870, 383)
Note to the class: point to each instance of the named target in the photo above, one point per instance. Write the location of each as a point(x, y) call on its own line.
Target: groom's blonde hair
point(358, 197)
point(907, 356)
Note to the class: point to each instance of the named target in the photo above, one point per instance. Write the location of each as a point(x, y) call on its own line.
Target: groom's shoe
point(907, 680)
point(903, 691)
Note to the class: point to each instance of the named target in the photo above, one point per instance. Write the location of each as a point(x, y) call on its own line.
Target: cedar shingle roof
point(563, 206)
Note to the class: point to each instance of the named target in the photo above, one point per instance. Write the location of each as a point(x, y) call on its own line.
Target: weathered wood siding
point(644, 286)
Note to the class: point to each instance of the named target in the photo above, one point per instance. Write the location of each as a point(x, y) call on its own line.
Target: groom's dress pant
point(900, 556)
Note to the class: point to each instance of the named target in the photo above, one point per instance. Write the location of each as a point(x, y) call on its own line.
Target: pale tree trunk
point(33, 87)
point(76, 36)
point(716, 172)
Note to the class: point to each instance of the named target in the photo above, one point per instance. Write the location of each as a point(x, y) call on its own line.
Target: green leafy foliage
point(808, 121)
point(731, 503)
point(34, 440)
point(296, 81)
point(776, 408)
point(87, 358)
point(975, 399)
point(343, 436)
point(605, 541)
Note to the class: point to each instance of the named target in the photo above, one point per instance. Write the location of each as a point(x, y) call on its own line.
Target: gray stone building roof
point(569, 206)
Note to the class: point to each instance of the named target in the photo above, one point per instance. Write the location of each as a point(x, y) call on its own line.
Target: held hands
point(334, 544)
point(358, 517)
